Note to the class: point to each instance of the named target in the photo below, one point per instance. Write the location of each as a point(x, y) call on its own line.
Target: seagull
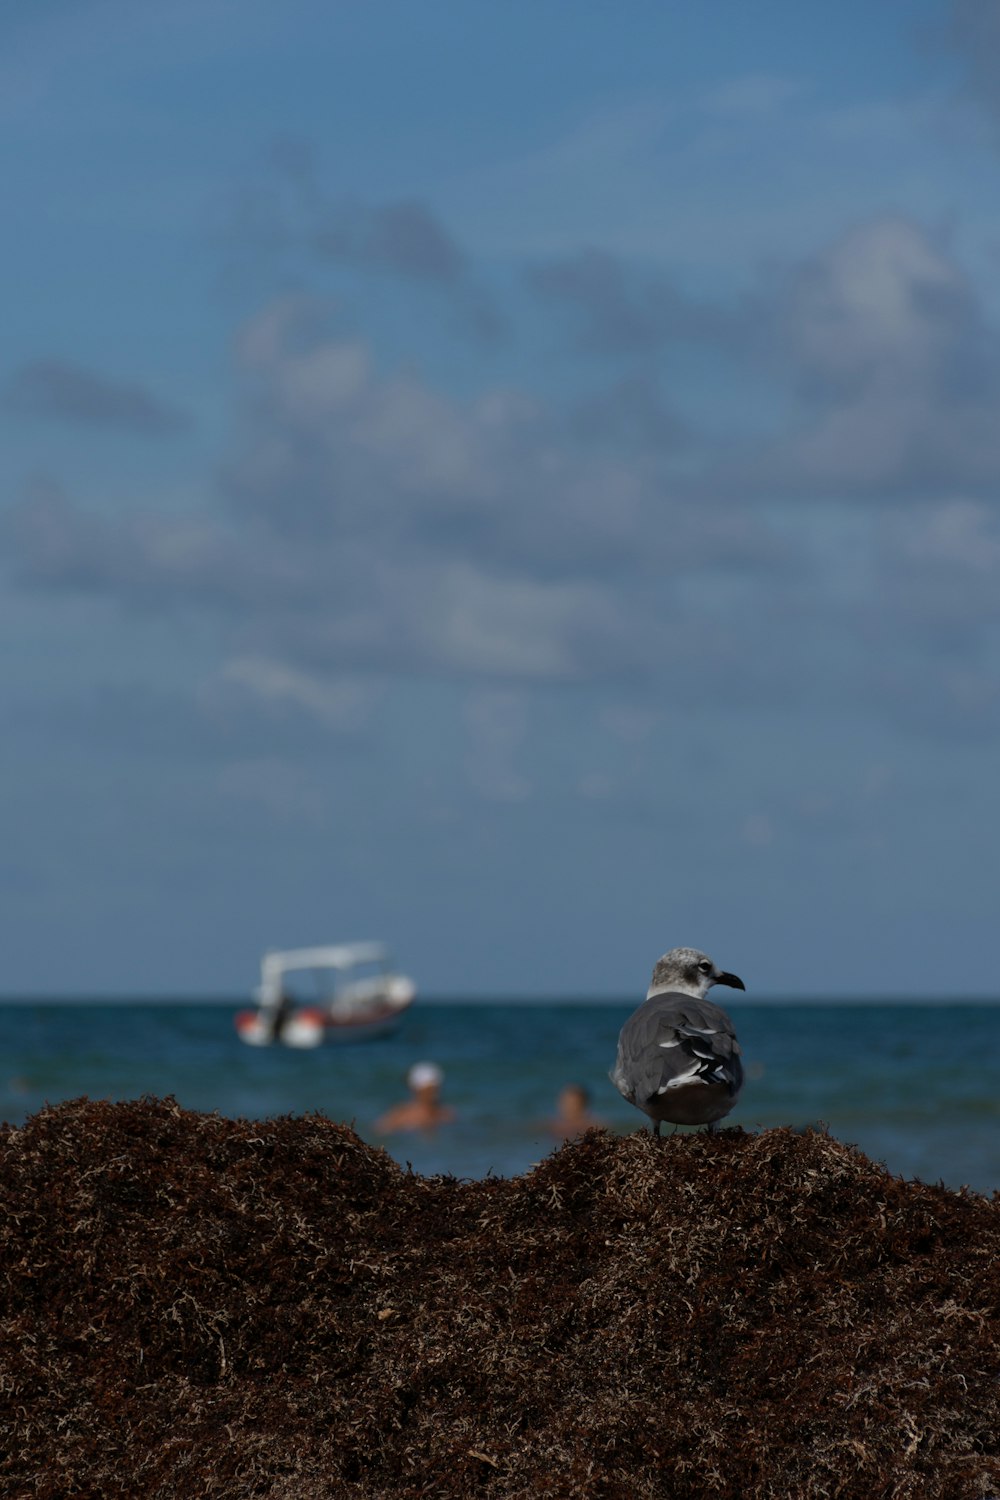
point(678, 1057)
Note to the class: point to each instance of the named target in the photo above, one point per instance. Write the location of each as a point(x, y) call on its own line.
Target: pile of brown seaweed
point(196, 1306)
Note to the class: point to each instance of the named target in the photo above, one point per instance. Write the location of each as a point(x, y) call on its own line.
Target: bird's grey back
point(669, 1035)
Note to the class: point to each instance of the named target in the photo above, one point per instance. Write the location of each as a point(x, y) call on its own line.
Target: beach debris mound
point(199, 1306)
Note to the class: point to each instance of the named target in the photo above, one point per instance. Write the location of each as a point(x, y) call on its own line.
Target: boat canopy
point(275, 965)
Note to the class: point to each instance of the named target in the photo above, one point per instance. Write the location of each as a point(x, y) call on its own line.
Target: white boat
point(358, 997)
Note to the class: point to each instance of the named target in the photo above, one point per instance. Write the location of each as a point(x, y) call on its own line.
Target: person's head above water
point(573, 1115)
point(424, 1108)
point(424, 1075)
point(573, 1099)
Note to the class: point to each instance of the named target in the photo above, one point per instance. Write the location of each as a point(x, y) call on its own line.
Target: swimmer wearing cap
point(423, 1110)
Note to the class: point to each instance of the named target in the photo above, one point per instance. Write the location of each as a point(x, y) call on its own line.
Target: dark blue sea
point(915, 1086)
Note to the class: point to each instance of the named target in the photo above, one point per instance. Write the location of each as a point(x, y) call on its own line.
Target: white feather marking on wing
point(681, 1080)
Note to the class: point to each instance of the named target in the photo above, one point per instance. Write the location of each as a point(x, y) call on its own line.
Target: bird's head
point(685, 971)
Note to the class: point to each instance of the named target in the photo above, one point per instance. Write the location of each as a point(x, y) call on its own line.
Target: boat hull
point(313, 1027)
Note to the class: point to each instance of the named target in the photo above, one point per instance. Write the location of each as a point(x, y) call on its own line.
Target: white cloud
point(961, 534)
point(322, 382)
point(894, 367)
point(339, 703)
point(273, 329)
point(752, 95)
point(496, 626)
point(882, 302)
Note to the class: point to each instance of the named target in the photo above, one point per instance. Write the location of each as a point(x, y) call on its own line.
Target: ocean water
point(915, 1086)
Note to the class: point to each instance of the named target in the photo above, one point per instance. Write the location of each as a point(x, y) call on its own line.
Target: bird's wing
point(674, 1038)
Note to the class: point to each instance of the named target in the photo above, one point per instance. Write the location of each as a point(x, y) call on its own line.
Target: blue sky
point(520, 481)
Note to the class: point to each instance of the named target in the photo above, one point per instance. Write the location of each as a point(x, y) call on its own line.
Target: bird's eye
point(705, 966)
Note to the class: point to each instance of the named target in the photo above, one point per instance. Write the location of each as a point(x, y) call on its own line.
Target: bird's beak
point(733, 980)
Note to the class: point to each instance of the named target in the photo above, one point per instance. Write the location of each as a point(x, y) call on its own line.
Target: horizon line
point(458, 998)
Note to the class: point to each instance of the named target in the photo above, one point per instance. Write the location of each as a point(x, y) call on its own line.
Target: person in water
point(573, 1115)
point(280, 1016)
point(423, 1110)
